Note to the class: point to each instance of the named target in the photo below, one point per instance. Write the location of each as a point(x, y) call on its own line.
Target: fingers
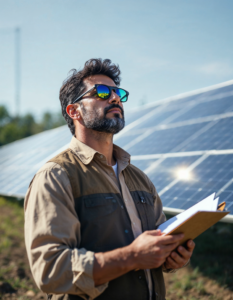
point(190, 245)
point(186, 253)
point(171, 263)
point(154, 232)
point(169, 247)
point(178, 259)
point(165, 239)
point(169, 239)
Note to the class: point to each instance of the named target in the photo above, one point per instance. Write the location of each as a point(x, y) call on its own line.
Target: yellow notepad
point(195, 220)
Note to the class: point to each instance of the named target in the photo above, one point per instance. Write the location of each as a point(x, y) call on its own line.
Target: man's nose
point(114, 98)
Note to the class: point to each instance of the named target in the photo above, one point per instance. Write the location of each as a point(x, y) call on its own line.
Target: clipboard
point(198, 222)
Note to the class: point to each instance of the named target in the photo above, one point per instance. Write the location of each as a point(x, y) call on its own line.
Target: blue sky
point(163, 47)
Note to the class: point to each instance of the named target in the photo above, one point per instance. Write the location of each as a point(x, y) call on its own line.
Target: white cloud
point(216, 69)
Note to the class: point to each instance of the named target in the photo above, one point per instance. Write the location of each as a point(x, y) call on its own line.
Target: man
point(90, 215)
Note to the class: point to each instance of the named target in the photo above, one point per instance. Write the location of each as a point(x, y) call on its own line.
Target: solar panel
point(195, 139)
point(20, 160)
point(122, 141)
point(166, 171)
point(135, 114)
point(157, 118)
point(209, 108)
point(160, 141)
point(217, 137)
point(183, 143)
point(143, 164)
point(212, 174)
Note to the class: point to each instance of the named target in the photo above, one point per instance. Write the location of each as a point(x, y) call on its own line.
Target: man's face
point(99, 114)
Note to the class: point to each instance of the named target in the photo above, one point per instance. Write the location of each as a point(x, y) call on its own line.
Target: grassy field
point(209, 276)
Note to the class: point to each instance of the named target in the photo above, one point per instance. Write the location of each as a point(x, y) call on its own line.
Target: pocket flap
point(98, 200)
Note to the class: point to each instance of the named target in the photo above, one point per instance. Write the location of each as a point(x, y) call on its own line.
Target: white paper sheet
point(215, 204)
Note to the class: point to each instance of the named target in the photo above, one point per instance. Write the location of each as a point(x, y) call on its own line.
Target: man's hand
point(147, 251)
point(178, 260)
point(151, 249)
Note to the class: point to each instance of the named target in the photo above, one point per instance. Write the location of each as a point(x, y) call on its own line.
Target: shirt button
point(101, 156)
point(126, 231)
point(122, 206)
point(140, 277)
point(142, 200)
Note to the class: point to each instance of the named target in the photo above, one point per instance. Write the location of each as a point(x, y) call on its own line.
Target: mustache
point(113, 106)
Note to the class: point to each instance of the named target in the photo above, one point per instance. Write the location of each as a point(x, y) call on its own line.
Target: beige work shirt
point(52, 226)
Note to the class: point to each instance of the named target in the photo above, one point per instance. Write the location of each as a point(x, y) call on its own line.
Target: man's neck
point(99, 141)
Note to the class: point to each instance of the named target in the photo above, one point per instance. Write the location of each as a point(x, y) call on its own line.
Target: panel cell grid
point(218, 137)
point(134, 115)
point(208, 177)
point(168, 170)
point(143, 164)
point(21, 160)
point(227, 195)
point(164, 141)
point(156, 119)
point(124, 139)
point(208, 108)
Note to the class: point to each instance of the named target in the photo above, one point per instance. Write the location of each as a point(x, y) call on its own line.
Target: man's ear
point(73, 111)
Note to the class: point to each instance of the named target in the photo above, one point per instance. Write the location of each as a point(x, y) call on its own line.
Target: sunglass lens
point(103, 91)
point(122, 94)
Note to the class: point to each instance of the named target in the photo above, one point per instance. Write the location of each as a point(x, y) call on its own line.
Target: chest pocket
point(145, 206)
point(97, 206)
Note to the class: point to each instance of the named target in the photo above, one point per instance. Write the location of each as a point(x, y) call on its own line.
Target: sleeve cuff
point(165, 270)
point(82, 266)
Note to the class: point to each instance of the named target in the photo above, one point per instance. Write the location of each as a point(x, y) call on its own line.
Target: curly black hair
point(73, 86)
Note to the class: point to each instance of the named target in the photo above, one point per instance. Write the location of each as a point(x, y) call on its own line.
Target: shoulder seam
point(50, 168)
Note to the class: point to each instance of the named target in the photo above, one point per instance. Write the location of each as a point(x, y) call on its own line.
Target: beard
point(93, 120)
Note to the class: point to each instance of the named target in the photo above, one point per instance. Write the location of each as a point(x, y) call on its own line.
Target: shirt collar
point(86, 154)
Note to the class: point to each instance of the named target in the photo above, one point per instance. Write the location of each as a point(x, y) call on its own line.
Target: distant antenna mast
point(17, 70)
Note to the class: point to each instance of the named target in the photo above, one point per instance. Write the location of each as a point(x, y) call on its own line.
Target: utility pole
point(17, 70)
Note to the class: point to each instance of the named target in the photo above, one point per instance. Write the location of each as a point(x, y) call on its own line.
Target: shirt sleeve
point(52, 237)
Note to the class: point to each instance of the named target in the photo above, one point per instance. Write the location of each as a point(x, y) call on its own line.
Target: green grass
point(11, 225)
point(12, 248)
point(212, 258)
point(213, 255)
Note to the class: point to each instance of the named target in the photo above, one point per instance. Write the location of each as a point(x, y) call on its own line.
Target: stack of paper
point(195, 220)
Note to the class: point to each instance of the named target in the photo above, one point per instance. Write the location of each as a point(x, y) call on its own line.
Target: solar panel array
point(184, 144)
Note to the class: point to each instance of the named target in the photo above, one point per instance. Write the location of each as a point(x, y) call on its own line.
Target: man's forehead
point(98, 79)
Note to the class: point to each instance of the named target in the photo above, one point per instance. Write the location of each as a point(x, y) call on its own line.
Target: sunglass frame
point(110, 88)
